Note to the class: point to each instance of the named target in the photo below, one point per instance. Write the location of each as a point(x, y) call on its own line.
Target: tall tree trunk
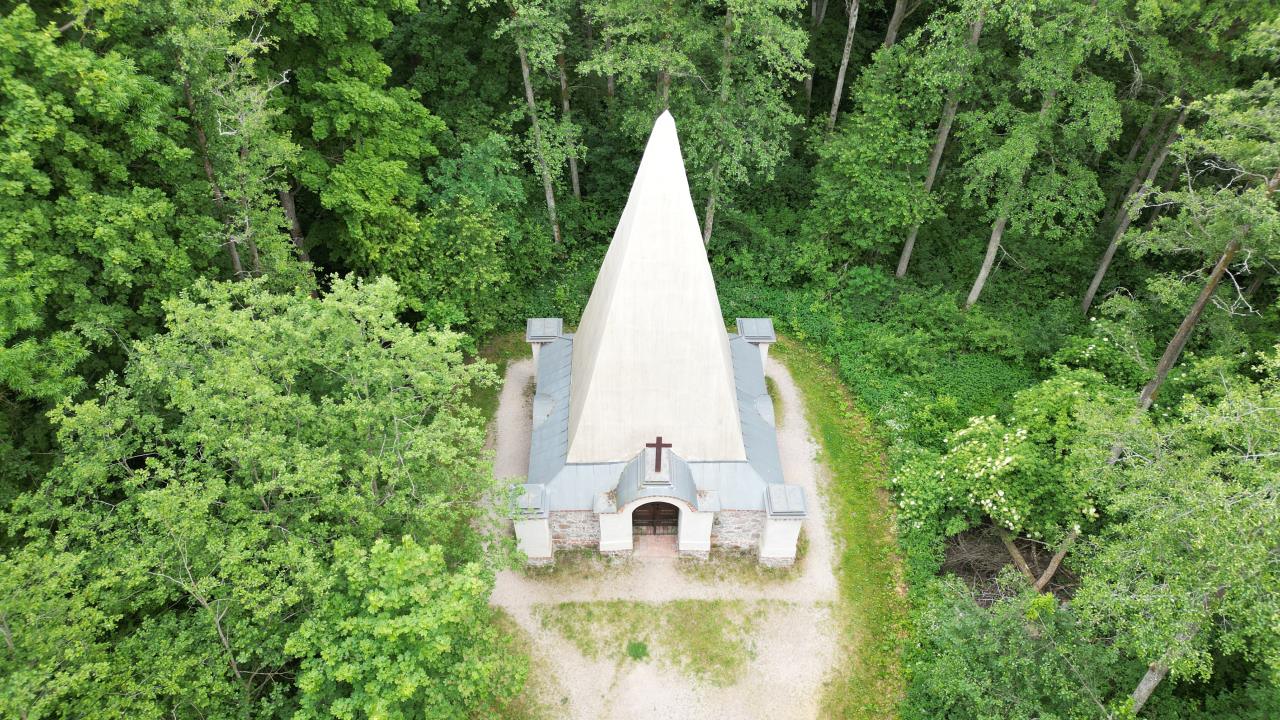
point(817, 11)
point(997, 230)
point(1050, 570)
point(852, 7)
point(547, 186)
point(254, 260)
point(939, 145)
point(664, 88)
point(219, 200)
point(1188, 324)
point(1127, 210)
point(608, 79)
point(1155, 674)
point(993, 246)
point(895, 22)
point(726, 66)
point(1255, 283)
point(1179, 341)
point(1056, 560)
point(1142, 134)
point(295, 227)
point(568, 117)
point(1138, 176)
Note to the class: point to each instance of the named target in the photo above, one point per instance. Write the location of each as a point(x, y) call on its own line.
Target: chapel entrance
point(656, 518)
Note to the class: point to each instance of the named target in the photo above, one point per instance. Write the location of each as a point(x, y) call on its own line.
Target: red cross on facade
point(657, 445)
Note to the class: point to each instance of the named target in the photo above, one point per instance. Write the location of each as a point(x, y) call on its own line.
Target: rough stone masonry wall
point(574, 528)
point(737, 530)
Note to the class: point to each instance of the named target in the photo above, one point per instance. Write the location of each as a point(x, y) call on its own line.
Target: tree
point(1187, 567)
point(865, 185)
point(900, 12)
point(203, 493)
point(952, 84)
point(537, 29)
point(732, 130)
point(104, 215)
point(1024, 657)
point(1033, 474)
point(1077, 110)
point(762, 50)
point(1142, 186)
point(365, 146)
point(1240, 148)
point(851, 10)
point(402, 635)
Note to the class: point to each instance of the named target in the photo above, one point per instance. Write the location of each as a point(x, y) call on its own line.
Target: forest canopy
point(249, 250)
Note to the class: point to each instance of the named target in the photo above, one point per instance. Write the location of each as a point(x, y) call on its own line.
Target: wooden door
point(657, 518)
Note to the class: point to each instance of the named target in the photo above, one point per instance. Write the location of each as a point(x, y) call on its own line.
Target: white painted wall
point(615, 531)
point(778, 539)
point(695, 530)
point(533, 538)
point(764, 353)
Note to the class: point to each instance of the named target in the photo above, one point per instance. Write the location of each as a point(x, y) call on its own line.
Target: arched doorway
point(655, 518)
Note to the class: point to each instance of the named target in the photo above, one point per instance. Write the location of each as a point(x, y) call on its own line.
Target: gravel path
point(795, 644)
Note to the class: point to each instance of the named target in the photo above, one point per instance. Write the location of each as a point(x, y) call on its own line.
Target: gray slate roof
point(715, 485)
point(543, 329)
point(757, 330)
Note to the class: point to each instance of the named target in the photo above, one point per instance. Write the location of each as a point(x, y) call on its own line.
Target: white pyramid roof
point(651, 356)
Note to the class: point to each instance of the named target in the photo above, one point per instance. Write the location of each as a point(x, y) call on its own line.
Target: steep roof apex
point(651, 356)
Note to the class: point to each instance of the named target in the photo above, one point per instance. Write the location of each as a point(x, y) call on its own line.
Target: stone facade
point(574, 528)
point(737, 530)
point(733, 530)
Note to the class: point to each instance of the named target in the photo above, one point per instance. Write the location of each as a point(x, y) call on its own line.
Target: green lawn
point(873, 607)
point(708, 640)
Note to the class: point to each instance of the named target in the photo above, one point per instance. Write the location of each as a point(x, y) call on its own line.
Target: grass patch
point(576, 564)
point(776, 397)
point(637, 650)
point(743, 568)
point(710, 640)
point(873, 607)
point(540, 695)
point(500, 350)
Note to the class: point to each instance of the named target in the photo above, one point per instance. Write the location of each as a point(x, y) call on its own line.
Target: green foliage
point(402, 636)
point(1032, 475)
point(199, 495)
point(94, 238)
point(1195, 525)
point(1024, 657)
point(201, 498)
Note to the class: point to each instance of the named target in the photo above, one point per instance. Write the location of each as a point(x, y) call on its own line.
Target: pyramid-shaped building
point(651, 419)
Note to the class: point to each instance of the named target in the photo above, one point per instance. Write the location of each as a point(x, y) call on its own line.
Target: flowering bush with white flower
point(1027, 474)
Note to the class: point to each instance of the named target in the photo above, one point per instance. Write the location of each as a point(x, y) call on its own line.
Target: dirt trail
point(795, 644)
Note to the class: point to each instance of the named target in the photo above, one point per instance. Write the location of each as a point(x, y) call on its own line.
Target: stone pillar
point(533, 538)
point(758, 332)
point(615, 532)
point(533, 531)
point(539, 332)
point(695, 533)
point(784, 515)
point(778, 540)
